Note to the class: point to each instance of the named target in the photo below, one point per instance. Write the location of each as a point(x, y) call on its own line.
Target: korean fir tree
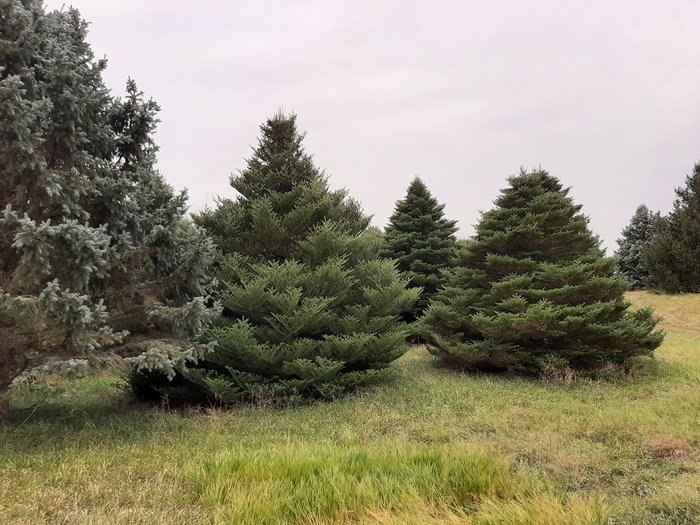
point(310, 308)
point(635, 238)
point(673, 255)
point(534, 286)
point(93, 242)
point(422, 241)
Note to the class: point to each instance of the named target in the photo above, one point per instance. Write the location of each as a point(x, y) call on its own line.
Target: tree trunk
point(13, 361)
point(4, 407)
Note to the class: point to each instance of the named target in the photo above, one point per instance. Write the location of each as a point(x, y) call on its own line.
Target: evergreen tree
point(534, 284)
point(673, 255)
point(93, 242)
point(422, 241)
point(635, 237)
point(310, 310)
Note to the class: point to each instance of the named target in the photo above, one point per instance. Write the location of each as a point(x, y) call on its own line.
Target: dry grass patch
point(680, 313)
point(667, 447)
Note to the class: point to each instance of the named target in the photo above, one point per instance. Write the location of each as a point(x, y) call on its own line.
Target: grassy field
point(434, 446)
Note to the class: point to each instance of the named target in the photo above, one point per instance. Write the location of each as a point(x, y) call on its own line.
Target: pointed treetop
point(279, 162)
point(526, 186)
point(419, 203)
point(689, 195)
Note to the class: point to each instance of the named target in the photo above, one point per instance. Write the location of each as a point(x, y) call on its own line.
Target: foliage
point(93, 241)
point(310, 310)
point(422, 241)
point(635, 238)
point(674, 251)
point(535, 285)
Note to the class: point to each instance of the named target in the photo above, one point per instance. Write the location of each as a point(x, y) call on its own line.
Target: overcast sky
point(604, 95)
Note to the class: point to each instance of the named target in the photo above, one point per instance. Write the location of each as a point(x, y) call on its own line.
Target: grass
point(333, 484)
point(551, 453)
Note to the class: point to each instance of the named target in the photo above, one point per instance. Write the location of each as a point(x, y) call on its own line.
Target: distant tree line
point(663, 252)
point(285, 292)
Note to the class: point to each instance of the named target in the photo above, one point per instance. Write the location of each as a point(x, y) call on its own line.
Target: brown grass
point(680, 314)
point(668, 447)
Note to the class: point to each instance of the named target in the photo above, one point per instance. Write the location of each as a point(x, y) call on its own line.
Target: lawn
point(433, 446)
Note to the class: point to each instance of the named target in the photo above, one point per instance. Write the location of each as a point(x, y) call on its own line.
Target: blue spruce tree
point(94, 244)
point(635, 238)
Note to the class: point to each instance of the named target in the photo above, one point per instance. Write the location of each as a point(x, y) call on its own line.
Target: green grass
point(335, 484)
point(556, 453)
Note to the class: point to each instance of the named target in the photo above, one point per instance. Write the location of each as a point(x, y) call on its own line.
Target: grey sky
point(604, 95)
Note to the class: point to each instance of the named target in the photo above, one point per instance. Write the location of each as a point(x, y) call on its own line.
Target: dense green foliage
point(635, 238)
point(673, 254)
point(533, 287)
point(310, 308)
point(93, 240)
point(422, 241)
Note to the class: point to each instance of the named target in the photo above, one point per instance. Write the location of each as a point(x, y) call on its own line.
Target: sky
point(604, 95)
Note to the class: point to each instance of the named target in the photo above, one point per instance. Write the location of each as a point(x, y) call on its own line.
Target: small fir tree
point(635, 237)
point(310, 309)
point(422, 241)
point(673, 254)
point(93, 242)
point(534, 285)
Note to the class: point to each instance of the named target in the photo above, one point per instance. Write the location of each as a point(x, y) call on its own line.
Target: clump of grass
point(335, 484)
point(546, 509)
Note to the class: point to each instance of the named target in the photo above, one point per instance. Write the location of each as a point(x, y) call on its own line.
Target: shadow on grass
point(56, 414)
point(636, 370)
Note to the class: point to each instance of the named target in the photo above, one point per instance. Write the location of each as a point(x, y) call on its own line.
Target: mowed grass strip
point(87, 454)
point(333, 484)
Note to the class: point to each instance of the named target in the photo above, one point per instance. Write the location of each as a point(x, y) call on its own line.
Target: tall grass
point(335, 484)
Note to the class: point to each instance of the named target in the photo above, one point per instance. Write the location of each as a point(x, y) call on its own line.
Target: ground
point(618, 449)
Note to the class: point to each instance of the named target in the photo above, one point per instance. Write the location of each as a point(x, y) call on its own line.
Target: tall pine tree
point(673, 255)
point(422, 241)
point(635, 238)
point(310, 309)
point(93, 242)
point(534, 284)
